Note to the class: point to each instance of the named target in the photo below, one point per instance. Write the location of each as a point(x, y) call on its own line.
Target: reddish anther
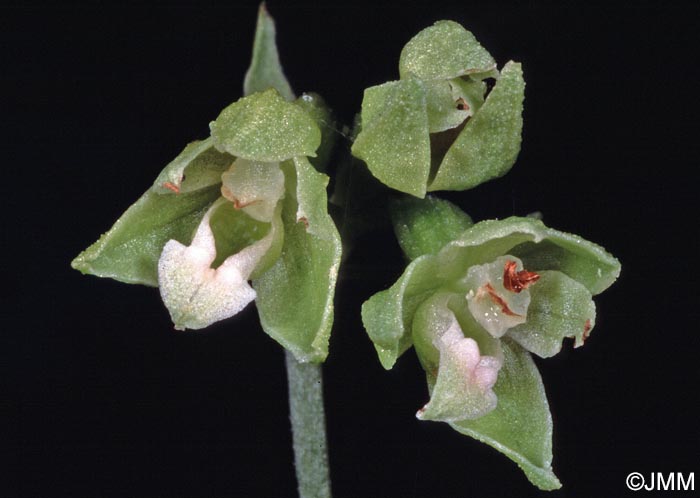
point(304, 221)
point(240, 205)
point(516, 281)
point(586, 330)
point(172, 186)
point(499, 300)
point(462, 104)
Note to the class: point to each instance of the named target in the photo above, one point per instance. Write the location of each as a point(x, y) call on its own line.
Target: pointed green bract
point(394, 139)
point(521, 426)
point(129, 251)
point(443, 51)
point(198, 166)
point(489, 143)
point(560, 307)
point(424, 226)
point(265, 127)
point(295, 296)
point(265, 70)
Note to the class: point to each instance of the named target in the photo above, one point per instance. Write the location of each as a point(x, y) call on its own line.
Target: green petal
point(443, 51)
point(560, 307)
point(254, 187)
point(295, 296)
point(265, 127)
point(198, 166)
point(394, 140)
point(521, 426)
point(444, 112)
point(129, 251)
point(265, 70)
point(471, 90)
point(424, 226)
point(490, 141)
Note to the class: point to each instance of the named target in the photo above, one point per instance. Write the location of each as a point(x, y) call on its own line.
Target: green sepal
point(521, 425)
point(424, 226)
point(198, 166)
point(394, 140)
point(129, 251)
point(316, 107)
point(265, 70)
point(578, 258)
point(295, 296)
point(388, 315)
point(265, 127)
point(560, 307)
point(444, 51)
point(444, 112)
point(489, 143)
point(581, 260)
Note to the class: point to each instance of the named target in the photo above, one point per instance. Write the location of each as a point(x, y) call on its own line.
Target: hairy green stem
point(308, 428)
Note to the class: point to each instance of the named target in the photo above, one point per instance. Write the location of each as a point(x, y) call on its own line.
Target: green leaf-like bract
point(265, 70)
point(295, 296)
point(521, 426)
point(129, 251)
point(265, 127)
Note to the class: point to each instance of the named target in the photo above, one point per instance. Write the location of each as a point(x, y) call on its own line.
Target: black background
point(103, 398)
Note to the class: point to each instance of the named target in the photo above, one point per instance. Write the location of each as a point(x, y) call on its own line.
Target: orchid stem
point(308, 428)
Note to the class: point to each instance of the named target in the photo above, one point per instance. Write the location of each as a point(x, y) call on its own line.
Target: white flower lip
point(198, 295)
point(465, 380)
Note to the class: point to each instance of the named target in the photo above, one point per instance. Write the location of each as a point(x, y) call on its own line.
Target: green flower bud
point(435, 128)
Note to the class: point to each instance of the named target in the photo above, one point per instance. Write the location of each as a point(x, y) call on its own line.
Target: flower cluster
point(242, 216)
